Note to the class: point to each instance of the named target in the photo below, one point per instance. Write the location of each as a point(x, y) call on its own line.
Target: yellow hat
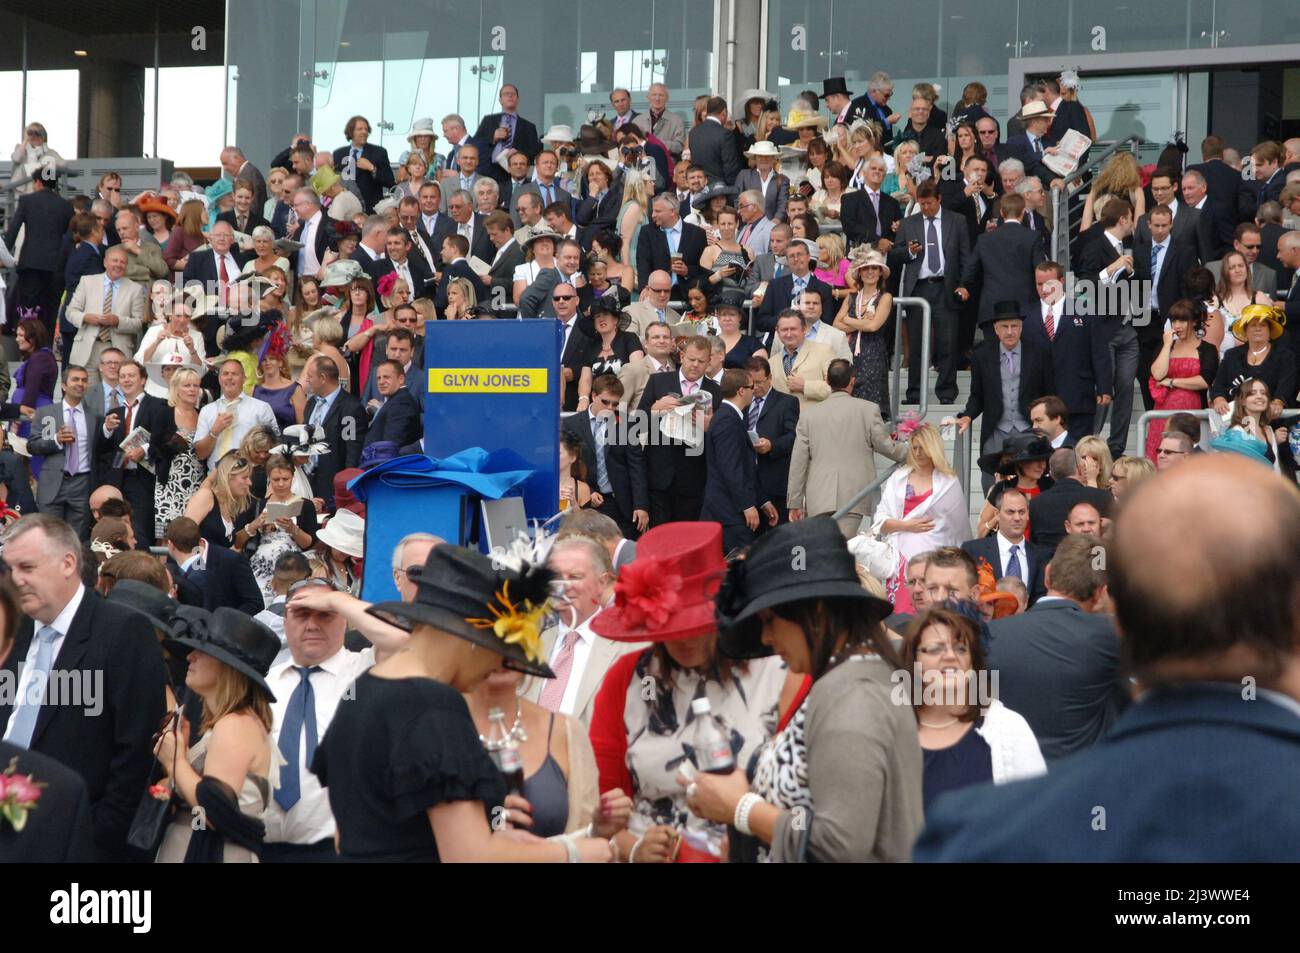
point(1275, 317)
point(323, 179)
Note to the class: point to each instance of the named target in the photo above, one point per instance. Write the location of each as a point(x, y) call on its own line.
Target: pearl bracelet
point(743, 807)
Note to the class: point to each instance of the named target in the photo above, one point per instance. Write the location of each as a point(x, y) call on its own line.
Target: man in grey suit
point(579, 657)
point(665, 126)
point(68, 439)
point(835, 444)
point(464, 180)
point(1248, 239)
point(713, 145)
point(104, 395)
point(766, 179)
point(1164, 188)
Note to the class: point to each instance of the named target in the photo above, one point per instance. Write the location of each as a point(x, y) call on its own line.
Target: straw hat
point(346, 532)
point(421, 127)
point(1035, 110)
point(864, 256)
point(1274, 317)
point(763, 148)
point(798, 119)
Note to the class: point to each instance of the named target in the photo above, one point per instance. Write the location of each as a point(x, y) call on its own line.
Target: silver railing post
point(924, 357)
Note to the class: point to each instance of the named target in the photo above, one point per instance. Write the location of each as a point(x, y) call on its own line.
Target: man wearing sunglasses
point(618, 484)
point(1249, 240)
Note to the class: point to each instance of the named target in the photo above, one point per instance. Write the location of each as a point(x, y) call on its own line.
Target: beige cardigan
point(584, 791)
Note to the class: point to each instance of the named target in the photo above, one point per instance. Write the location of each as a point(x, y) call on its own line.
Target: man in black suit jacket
point(462, 214)
point(396, 414)
point(970, 195)
point(1218, 216)
point(1058, 664)
point(508, 130)
point(858, 211)
point(675, 472)
point(137, 483)
point(653, 250)
point(1223, 183)
point(777, 417)
point(940, 286)
point(344, 419)
point(221, 576)
point(454, 250)
point(507, 254)
point(781, 291)
point(624, 497)
point(372, 250)
point(989, 366)
point(713, 145)
point(1007, 551)
point(732, 494)
point(1082, 371)
point(1049, 510)
point(411, 268)
point(203, 266)
point(1003, 262)
point(252, 219)
point(105, 696)
point(45, 215)
point(1164, 190)
point(1172, 264)
point(364, 163)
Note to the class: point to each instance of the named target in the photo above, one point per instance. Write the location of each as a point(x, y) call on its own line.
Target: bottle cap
point(701, 706)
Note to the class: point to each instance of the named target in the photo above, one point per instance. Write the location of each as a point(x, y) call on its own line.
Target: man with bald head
point(1193, 769)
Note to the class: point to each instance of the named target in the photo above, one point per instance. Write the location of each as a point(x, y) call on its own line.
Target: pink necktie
point(553, 693)
point(688, 388)
point(1049, 324)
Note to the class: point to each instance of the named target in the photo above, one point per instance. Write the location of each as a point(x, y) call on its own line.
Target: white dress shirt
point(581, 653)
point(1004, 554)
point(62, 622)
point(926, 272)
point(309, 264)
point(310, 820)
point(249, 413)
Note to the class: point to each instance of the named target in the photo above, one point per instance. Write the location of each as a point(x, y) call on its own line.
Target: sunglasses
point(563, 297)
point(109, 188)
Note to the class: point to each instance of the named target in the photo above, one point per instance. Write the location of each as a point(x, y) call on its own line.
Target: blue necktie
point(28, 708)
point(787, 361)
point(1155, 275)
point(301, 712)
point(1013, 563)
point(932, 248)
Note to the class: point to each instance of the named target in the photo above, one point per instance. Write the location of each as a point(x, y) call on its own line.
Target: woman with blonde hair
point(900, 183)
point(922, 505)
point(229, 774)
point(1119, 178)
point(414, 172)
point(178, 469)
point(224, 506)
point(1096, 461)
point(832, 266)
point(460, 299)
point(634, 213)
point(327, 335)
point(1128, 474)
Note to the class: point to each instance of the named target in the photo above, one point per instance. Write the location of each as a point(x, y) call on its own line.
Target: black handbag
point(153, 813)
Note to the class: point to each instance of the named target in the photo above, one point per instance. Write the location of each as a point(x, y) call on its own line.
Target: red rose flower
point(647, 593)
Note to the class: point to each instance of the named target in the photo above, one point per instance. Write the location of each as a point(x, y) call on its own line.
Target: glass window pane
point(184, 92)
point(53, 100)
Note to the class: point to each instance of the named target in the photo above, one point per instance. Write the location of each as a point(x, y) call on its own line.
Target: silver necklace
point(1254, 353)
point(516, 732)
point(946, 724)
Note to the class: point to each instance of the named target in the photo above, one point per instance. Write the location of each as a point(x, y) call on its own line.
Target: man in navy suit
point(782, 292)
point(1082, 370)
point(773, 415)
point(1161, 265)
point(218, 266)
point(1066, 113)
point(1191, 771)
point(858, 210)
point(672, 245)
point(396, 416)
point(344, 419)
point(732, 494)
point(469, 225)
point(364, 163)
point(1031, 146)
point(1007, 550)
point(1223, 183)
point(713, 145)
point(611, 469)
point(46, 215)
point(223, 576)
point(454, 249)
point(506, 132)
point(1003, 260)
point(410, 268)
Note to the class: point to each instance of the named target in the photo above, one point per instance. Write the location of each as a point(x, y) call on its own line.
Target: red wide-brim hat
point(667, 592)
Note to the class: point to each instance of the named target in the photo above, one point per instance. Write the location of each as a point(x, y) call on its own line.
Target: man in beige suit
point(834, 447)
point(653, 305)
point(659, 356)
point(108, 311)
point(578, 656)
point(799, 365)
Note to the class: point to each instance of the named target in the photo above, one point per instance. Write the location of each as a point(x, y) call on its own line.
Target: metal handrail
point(896, 369)
point(1061, 198)
point(1151, 415)
point(962, 445)
point(961, 450)
point(865, 492)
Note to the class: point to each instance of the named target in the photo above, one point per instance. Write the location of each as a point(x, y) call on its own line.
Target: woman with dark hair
point(963, 143)
point(805, 226)
point(645, 716)
point(1198, 285)
point(1181, 373)
point(408, 777)
point(575, 491)
point(230, 772)
point(612, 346)
point(35, 379)
point(1021, 465)
point(970, 108)
point(841, 780)
point(359, 330)
point(306, 300)
point(1250, 431)
point(967, 736)
point(607, 246)
point(825, 204)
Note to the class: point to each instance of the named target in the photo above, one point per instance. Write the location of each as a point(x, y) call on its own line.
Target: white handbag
point(878, 556)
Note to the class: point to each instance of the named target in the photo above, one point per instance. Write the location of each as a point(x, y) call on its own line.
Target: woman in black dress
point(864, 317)
point(408, 778)
point(613, 345)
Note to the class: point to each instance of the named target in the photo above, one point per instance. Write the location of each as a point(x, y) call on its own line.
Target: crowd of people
point(725, 652)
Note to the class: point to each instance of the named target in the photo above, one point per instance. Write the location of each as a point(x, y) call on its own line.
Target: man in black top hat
point(838, 99)
point(1007, 374)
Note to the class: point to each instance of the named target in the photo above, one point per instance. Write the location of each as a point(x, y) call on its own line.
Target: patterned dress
point(870, 358)
point(183, 481)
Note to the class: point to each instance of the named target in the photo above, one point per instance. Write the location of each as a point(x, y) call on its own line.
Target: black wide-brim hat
point(1019, 448)
point(155, 605)
point(461, 592)
point(602, 305)
point(808, 559)
point(230, 637)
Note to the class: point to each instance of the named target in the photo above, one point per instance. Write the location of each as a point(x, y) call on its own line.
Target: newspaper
point(138, 437)
point(680, 423)
point(1070, 151)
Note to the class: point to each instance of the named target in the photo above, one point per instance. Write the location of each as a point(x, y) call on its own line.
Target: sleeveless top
point(547, 790)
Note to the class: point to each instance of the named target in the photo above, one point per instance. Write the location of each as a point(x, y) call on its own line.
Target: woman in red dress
point(1182, 371)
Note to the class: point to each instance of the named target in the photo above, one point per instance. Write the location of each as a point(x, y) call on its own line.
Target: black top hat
point(229, 636)
point(461, 592)
point(1018, 448)
point(153, 604)
point(1006, 310)
point(834, 85)
point(808, 559)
